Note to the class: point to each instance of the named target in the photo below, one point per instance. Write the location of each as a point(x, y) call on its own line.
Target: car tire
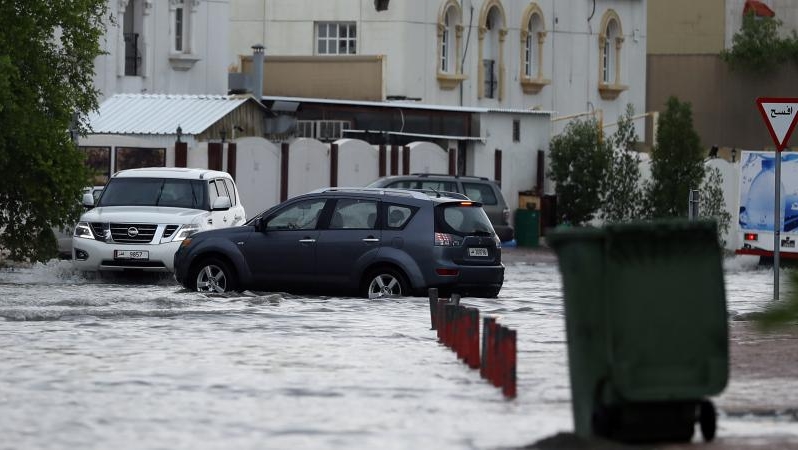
point(385, 283)
point(212, 275)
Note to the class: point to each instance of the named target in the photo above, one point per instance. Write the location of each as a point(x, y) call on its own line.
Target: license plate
point(131, 254)
point(477, 251)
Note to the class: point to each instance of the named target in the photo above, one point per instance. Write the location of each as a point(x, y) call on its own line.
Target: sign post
point(780, 115)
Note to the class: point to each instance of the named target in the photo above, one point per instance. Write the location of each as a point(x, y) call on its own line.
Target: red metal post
point(394, 160)
point(405, 160)
point(231, 159)
point(509, 373)
point(497, 166)
point(181, 154)
point(333, 165)
point(487, 344)
point(473, 339)
point(215, 155)
point(284, 171)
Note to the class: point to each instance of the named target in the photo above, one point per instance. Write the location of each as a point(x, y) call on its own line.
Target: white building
point(166, 47)
point(566, 56)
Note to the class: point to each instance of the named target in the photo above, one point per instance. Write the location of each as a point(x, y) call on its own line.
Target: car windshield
point(464, 219)
point(172, 192)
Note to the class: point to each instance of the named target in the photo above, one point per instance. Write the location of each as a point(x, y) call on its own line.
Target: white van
point(144, 214)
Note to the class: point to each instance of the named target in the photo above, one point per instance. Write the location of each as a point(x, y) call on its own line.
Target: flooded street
point(133, 364)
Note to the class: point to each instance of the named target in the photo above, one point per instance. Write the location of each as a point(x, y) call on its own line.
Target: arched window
point(446, 42)
point(610, 45)
point(533, 36)
point(492, 32)
point(450, 35)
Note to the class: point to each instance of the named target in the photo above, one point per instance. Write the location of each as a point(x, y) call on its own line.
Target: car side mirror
point(260, 224)
point(88, 200)
point(221, 204)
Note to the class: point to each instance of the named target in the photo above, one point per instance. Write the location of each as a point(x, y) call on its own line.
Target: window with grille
point(336, 38)
point(491, 81)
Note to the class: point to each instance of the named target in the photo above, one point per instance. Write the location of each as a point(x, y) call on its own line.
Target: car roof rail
point(421, 194)
point(429, 174)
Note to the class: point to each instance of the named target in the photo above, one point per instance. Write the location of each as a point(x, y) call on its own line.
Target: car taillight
point(444, 239)
point(751, 237)
point(447, 272)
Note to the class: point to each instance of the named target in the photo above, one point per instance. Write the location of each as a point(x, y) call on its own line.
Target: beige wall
point(686, 26)
point(723, 102)
point(341, 77)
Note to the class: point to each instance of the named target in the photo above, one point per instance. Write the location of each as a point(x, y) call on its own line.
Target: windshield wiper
point(160, 191)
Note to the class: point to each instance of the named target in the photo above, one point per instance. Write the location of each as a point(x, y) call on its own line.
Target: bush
point(579, 163)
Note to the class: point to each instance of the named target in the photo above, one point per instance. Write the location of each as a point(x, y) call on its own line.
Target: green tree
point(711, 204)
point(579, 163)
point(47, 53)
point(757, 47)
point(622, 193)
point(676, 162)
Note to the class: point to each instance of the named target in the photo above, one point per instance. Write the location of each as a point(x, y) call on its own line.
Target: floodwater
point(99, 364)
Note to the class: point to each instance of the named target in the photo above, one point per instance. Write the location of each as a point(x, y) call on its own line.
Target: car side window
point(213, 193)
point(231, 191)
point(302, 215)
point(480, 192)
point(398, 216)
point(354, 214)
point(403, 184)
point(439, 185)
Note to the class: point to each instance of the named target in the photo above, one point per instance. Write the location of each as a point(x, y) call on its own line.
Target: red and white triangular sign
point(780, 115)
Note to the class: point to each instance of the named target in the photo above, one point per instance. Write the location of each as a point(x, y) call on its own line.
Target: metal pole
point(692, 204)
point(777, 227)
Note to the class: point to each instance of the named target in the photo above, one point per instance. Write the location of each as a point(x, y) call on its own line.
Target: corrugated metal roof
point(409, 105)
point(161, 113)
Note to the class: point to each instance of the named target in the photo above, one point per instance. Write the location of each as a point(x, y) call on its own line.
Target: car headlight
point(186, 231)
point(83, 230)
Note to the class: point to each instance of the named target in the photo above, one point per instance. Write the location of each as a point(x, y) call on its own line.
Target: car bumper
point(471, 279)
point(99, 256)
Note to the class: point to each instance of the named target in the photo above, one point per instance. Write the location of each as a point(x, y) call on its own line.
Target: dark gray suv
point(479, 189)
point(364, 241)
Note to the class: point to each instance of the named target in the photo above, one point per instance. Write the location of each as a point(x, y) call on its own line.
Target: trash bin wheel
point(707, 418)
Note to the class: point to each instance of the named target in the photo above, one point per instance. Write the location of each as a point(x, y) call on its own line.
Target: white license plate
point(131, 254)
point(477, 251)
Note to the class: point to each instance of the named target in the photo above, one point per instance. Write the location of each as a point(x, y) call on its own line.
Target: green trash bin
point(646, 324)
point(527, 227)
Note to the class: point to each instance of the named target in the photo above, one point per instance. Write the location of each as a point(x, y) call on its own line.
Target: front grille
point(170, 230)
point(133, 233)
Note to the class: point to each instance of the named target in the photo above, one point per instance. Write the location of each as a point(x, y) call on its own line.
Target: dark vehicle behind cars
point(369, 242)
point(479, 189)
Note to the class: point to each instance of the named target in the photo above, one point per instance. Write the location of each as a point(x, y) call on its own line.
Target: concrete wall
point(686, 26)
point(724, 102)
point(352, 77)
point(519, 159)
point(257, 174)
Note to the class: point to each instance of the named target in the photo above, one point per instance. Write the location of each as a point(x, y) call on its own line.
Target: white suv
point(143, 214)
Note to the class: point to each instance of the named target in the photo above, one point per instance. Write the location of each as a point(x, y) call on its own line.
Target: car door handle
point(307, 240)
point(371, 239)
